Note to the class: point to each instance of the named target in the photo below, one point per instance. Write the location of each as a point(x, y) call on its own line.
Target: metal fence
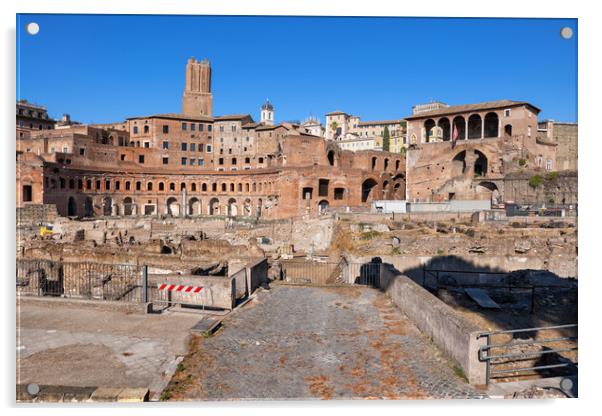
point(312, 273)
point(529, 353)
point(330, 273)
point(367, 274)
point(84, 280)
point(446, 278)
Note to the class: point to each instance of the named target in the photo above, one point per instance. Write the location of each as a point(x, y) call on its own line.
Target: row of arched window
point(116, 185)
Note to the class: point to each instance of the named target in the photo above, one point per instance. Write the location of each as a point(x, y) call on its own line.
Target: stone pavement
point(70, 346)
point(317, 343)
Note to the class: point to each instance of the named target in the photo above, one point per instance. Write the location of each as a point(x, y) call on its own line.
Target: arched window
point(492, 125)
point(474, 126)
point(428, 129)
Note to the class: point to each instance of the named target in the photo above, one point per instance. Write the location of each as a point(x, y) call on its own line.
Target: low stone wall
point(409, 216)
point(257, 273)
point(36, 213)
point(218, 291)
point(412, 266)
point(449, 331)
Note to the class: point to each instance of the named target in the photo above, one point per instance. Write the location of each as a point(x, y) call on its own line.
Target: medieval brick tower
point(197, 99)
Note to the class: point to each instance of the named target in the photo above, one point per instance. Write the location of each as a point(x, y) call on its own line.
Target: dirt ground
point(70, 346)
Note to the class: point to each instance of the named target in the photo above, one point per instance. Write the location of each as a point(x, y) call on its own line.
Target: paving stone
point(296, 343)
point(106, 394)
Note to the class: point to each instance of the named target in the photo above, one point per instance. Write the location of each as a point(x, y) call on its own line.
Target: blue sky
point(103, 68)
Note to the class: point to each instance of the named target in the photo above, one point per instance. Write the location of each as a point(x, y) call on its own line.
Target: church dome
point(267, 106)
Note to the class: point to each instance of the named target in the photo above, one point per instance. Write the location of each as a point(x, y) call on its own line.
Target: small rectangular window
point(209, 148)
point(165, 129)
point(192, 147)
point(165, 160)
point(201, 162)
point(183, 161)
point(184, 146)
point(192, 126)
point(209, 127)
point(192, 160)
point(184, 127)
point(201, 127)
point(141, 159)
point(165, 144)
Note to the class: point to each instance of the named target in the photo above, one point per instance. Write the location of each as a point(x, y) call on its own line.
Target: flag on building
point(455, 136)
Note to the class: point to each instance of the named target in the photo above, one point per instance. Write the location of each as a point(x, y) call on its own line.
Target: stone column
point(482, 127)
point(466, 129)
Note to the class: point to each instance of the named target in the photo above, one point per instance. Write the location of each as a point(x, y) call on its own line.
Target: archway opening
point(459, 128)
point(322, 207)
point(214, 206)
point(480, 165)
point(71, 207)
point(107, 206)
point(492, 125)
point(232, 208)
point(428, 129)
point(508, 130)
point(367, 187)
point(474, 126)
point(331, 157)
point(460, 158)
point(173, 208)
point(259, 207)
point(88, 207)
point(194, 206)
point(248, 208)
point(445, 126)
point(128, 206)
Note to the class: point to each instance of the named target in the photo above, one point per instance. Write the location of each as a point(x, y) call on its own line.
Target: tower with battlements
point(197, 99)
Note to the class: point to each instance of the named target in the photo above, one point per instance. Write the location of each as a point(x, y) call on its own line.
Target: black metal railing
point(331, 273)
point(317, 273)
point(84, 280)
point(366, 274)
point(507, 359)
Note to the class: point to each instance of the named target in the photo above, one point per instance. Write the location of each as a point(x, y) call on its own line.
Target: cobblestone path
point(317, 343)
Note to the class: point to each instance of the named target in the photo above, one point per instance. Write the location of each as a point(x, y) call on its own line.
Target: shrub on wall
point(535, 181)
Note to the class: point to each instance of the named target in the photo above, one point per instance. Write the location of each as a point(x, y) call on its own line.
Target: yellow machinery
point(45, 230)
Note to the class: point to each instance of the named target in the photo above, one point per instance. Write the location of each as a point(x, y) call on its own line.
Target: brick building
point(32, 117)
point(493, 139)
point(195, 163)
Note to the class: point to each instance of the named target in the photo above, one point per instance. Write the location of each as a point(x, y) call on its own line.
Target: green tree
point(386, 139)
point(333, 127)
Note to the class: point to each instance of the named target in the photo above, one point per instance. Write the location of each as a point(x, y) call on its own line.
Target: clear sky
point(104, 68)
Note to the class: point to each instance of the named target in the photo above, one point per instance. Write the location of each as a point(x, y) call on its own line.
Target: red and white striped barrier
point(181, 288)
